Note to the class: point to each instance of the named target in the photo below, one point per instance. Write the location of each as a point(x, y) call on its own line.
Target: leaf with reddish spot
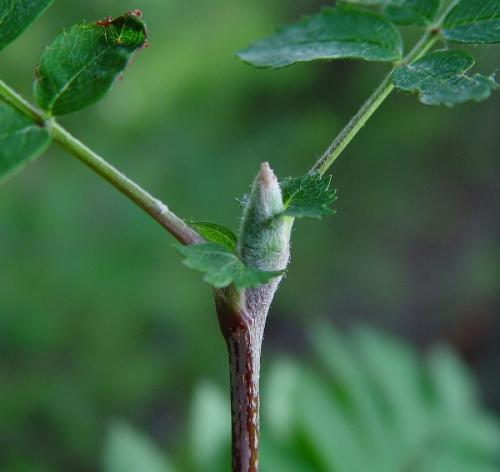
point(81, 64)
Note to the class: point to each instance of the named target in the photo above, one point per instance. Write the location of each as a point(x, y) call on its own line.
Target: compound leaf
point(216, 233)
point(411, 12)
point(335, 33)
point(440, 78)
point(308, 196)
point(21, 140)
point(16, 16)
point(81, 64)
point(376, 399)
point(473, 22)
point(222, 266)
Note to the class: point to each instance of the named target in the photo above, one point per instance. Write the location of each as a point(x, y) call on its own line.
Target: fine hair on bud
point(264, 241)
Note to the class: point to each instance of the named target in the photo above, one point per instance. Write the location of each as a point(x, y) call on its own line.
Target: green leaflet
point(382, 402)
point(367, 3)
point(411, 12)
point(215, 233)
point(454, 388)
point(127, 450)
point(440, 78)
point(374, 397)
point(209, 427)
point(474, 22)
point(81, 64)
point(308, 196)
point(21, 140)
point(222, 266)
point(405, 12)
point(335, 33)
point(16, 16)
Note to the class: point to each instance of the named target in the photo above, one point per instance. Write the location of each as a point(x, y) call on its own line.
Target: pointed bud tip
point(266, 175)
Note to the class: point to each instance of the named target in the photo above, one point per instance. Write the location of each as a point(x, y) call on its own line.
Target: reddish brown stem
point(243, 337)
point(244, 378)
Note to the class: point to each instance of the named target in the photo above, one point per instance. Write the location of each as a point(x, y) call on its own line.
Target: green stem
point(354, 126)
point(151, 205)
point(15, 100)
point(426, 42)
point(370, 106)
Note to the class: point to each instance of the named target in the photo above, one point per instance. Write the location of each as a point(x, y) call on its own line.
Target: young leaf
point(335, 33)
point(222, 266)
point(81, 64)
point(440, 78)
point(21, 140)
point(473, 22)
point(16, 16)
point(308, 196)
point(411, 12)
point(216, 233)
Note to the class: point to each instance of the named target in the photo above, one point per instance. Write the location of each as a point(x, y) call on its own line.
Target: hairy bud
point(265, 233)
point(264, 241)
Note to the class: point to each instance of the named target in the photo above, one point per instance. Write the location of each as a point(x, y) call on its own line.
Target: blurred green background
point(98, 318)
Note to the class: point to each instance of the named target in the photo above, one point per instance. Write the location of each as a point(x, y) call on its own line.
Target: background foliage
point(99, 321)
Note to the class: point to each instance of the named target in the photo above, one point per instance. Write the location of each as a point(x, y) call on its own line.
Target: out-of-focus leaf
point(216, 233)
point(81, 64)
point(473, 22)
point(129, 451)
point(452, 385)
point(16, 16)
point(397, 384)
point(287, 457)
point(222, 266)
point(367, 3)
point(374, 406)
point(450, 460)
point(324, 423)
point(309, 195)
point(340, 33)
point(349, 378)
point(411, 12)
point(440, 78)
point(210, 425)
point(280, 399)
point(21, 141)
point(471, 432)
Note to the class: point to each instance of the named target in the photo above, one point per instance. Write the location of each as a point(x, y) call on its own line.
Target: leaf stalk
point(371, 105)
point(144, 200)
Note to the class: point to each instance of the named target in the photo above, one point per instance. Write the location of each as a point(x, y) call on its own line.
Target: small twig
point(354, 126)
point(370, 106)
point(151, 205)
point(10, 96)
